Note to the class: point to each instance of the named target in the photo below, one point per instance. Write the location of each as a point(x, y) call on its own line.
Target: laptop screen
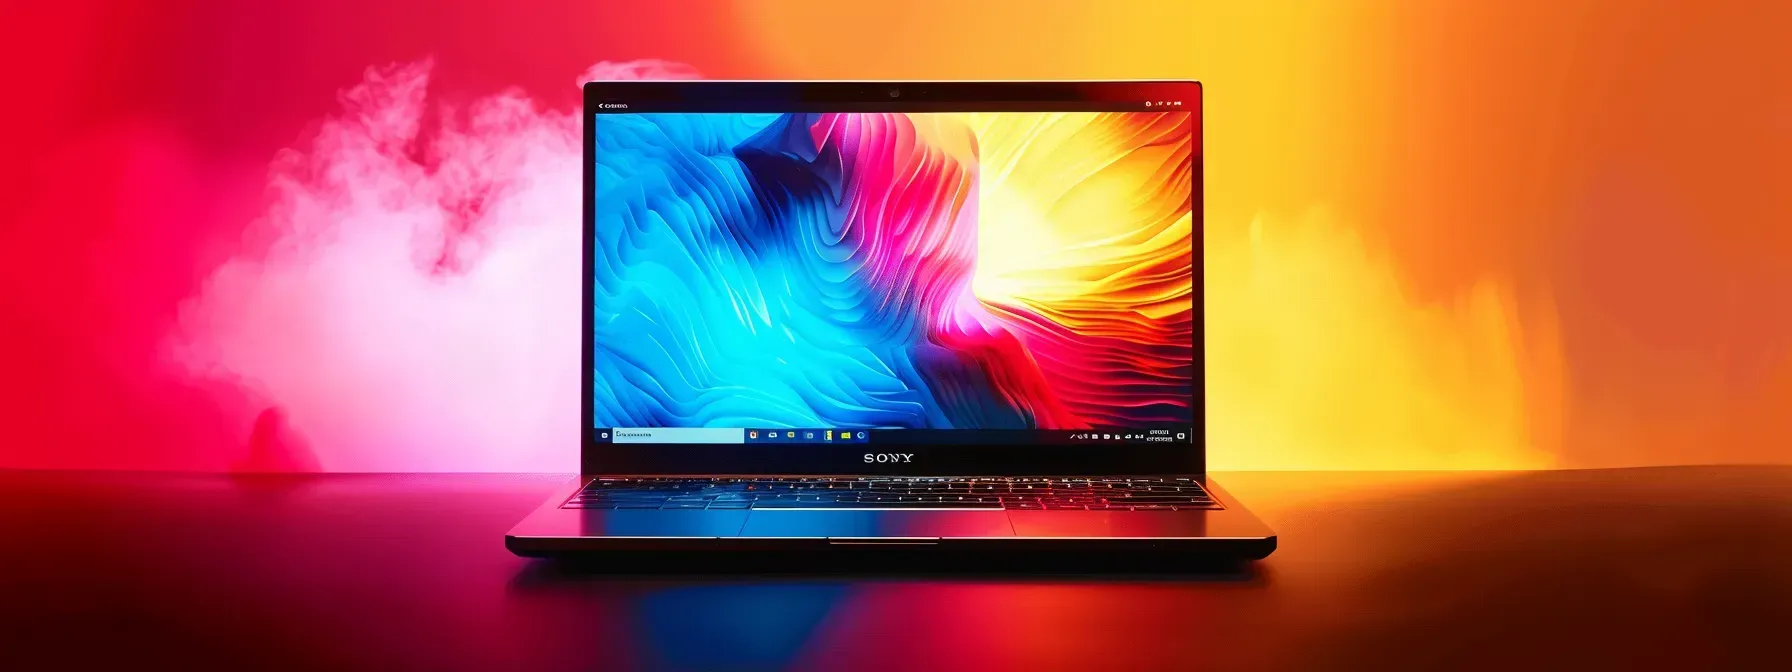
point(964, 278)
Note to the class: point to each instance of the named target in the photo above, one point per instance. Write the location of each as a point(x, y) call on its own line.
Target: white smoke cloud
point(410, 299)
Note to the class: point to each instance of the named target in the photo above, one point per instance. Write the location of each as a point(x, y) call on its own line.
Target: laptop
point(956, 315)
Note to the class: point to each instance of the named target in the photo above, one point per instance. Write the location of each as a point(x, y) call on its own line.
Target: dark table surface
point(1687, 568)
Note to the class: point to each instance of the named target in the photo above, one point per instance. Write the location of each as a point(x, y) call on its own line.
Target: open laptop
point(955, 314)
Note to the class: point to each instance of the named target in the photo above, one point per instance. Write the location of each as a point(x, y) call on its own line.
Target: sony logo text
point(889, 457)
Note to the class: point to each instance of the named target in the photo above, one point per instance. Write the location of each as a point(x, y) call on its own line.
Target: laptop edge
point(555, 529)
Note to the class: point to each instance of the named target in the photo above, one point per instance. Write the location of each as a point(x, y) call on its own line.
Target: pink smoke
point(410, 300)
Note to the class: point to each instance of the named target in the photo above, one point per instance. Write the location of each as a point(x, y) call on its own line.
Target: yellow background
point(1438, 234)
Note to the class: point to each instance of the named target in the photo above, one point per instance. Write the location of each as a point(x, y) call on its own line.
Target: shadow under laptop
point(894, 564)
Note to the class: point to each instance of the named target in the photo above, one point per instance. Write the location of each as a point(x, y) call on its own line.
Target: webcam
point(895, 92)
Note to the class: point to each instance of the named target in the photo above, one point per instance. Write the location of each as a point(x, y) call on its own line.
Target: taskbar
point(1165, 434)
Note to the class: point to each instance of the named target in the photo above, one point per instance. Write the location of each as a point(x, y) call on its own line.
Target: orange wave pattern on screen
point(1084, 246)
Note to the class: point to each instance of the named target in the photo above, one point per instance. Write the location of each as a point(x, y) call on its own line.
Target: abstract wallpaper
point(942, 271)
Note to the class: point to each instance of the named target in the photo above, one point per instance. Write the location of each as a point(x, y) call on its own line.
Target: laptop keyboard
point(1051, 494)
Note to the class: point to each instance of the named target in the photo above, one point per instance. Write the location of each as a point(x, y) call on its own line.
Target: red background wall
point(1439, 235)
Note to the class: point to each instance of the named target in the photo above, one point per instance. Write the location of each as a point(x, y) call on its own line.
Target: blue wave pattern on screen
point(704, 281)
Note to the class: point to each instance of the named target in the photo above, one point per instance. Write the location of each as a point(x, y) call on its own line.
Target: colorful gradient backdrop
point(328, 234)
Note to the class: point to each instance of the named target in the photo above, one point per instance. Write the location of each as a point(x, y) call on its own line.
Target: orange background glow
point(1526, 234)
point(1443, 235)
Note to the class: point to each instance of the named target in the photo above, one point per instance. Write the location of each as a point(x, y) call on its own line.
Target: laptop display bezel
point(938, 459)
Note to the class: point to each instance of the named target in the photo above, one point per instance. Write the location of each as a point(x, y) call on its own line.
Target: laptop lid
point(925, 278)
